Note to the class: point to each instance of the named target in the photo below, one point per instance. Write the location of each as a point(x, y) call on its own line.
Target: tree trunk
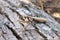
point(12, 11)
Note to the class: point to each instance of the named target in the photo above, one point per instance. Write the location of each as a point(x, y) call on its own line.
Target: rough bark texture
point(11, 11)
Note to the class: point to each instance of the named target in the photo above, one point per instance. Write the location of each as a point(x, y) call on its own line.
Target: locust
point(26, 21)
point(37, 19)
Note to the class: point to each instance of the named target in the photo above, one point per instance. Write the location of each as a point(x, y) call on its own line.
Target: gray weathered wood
point(11, 29)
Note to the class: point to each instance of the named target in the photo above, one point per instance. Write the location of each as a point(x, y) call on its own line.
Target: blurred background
point(52, 7)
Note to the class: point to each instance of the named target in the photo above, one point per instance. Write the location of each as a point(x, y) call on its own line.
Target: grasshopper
point(26, 21)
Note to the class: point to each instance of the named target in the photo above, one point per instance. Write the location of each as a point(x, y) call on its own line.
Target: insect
point(26, 21)
point(38, 19)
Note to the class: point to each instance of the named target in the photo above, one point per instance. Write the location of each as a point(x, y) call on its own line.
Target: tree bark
point(12, 11)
